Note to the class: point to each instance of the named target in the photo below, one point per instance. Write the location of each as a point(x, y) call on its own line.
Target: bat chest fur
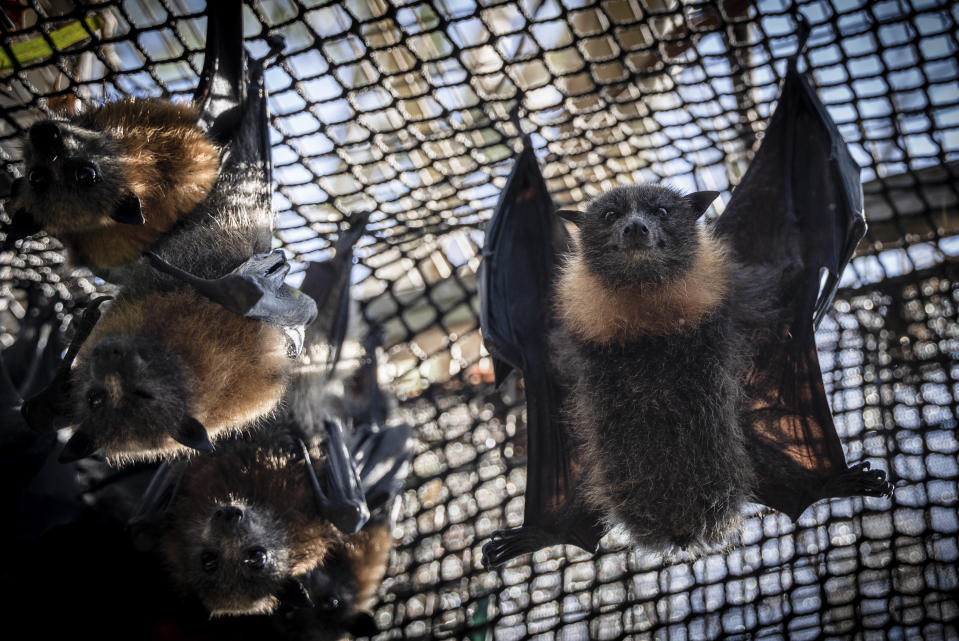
point(658, 422)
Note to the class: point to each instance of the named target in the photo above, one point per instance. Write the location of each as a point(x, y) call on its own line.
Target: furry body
point(263, 475)
point(225, 371)
point(653, 341)
point(135, 149)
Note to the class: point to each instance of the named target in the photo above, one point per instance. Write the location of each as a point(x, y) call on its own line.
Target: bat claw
point(505, 545)
point(858, 480)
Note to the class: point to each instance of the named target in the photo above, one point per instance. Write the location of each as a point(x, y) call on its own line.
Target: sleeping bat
point(201, 339)
point(112, 181)
point(247, 529)
point(677, 377)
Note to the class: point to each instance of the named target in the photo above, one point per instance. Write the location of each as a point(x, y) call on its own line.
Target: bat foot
point(505, 545)
point(858, 480)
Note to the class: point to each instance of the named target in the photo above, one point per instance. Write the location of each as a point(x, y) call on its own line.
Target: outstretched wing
point(524, 240)
point(802, 197)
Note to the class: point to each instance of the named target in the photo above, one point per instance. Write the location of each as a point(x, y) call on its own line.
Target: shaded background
point(415, 111)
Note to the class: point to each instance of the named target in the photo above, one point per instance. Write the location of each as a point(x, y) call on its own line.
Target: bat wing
point(221, 90)
point(328, 283)
point(48, 410)
point(256, 289)
point(382, 456)
point(33, 357)
point(801, 195)
point(524, 239)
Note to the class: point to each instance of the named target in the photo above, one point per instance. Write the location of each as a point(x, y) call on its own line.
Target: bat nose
point(635, 228)
point(96, 398)
point(228, 514)
point(45, 138)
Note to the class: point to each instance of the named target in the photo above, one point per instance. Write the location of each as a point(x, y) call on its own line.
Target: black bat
point(201, 339)
point(680, 379)
point(328, 283)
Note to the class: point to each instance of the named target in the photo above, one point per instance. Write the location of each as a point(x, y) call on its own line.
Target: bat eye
point(256, 558)
point(208, 561)
point(39, 177)
point(331, 603)
point(95, 398)
point(662, 213)
point(610, 216)
point(86, 175)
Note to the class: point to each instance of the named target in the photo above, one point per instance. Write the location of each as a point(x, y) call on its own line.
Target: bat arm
point(343, 503)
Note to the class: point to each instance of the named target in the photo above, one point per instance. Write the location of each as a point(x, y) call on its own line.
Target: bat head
point(238, 560)
point(640, 233)
point(74, 181)
point(334, 590)
point(131, 398)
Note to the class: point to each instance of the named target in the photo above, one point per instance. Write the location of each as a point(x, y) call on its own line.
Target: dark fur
point(148, 150)
point(341, 588)
point(263, 475)
point(655, 408)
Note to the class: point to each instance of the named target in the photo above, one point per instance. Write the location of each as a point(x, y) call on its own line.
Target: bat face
point(236, 559)
point(131, 395)
point(639, 233)
point(335, 613)
point(74, 180)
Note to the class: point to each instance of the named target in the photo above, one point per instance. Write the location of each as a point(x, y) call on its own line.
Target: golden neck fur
point(592, 311)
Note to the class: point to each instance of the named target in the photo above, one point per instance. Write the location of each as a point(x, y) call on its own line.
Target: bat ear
point(128, 211)
point(293, 593)
point(21, 225)
point(79, 446)
point(192, 434)
point(699, 201)
point(363, 625)
point(573, 216)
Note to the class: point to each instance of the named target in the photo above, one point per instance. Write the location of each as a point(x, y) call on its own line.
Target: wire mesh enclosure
point(414, 111)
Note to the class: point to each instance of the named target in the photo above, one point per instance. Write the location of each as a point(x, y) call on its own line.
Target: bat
point(243, 529)
point(328, 283)
point(112, 181)
point(677, 378)
point(341, 587)
point(200, 341)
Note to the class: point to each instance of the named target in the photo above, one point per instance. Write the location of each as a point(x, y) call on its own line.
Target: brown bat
point(110, 182)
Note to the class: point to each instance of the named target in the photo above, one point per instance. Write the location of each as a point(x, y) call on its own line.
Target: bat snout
point(46, 139)
point(636, 234)
point(228, 515)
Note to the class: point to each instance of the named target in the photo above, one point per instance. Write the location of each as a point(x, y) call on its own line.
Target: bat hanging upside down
point(111, 181)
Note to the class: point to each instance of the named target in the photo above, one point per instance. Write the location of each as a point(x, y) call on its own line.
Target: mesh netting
point(415, 111)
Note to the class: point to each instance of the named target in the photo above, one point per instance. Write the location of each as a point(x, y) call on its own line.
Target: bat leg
point(509, 544)
point(858, 480)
